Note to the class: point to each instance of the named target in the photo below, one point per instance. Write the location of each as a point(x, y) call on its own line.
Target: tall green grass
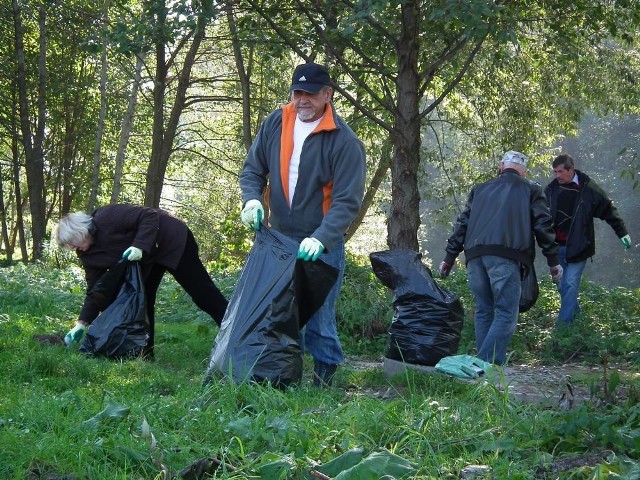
point(66, 416)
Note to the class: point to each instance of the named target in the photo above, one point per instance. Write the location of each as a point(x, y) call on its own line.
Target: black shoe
point(323, 374)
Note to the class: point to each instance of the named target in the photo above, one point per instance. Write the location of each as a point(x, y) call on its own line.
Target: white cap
point(515, 157)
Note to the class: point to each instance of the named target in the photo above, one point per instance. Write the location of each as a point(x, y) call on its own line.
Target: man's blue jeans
point(320, 335)
point(569, 287)
point(495, 284)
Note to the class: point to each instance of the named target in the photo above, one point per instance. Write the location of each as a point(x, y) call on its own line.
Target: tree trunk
point(33, 151)
point(66, 164)
point(9, 245)
point(97, 151)
point(19, 225)
point(153, 187)
point(404, 219)
point(3, 220)
point(244, 76)
point(376, 180)
point(125, 130)
point(162, 144)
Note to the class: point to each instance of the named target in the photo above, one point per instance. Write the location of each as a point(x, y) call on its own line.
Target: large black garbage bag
point(427, 318)
point(275, 296)
point(122, 329)
point(105, 290)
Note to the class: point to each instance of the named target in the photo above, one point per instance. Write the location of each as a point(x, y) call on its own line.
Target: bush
point(607, 326)
point(364, 309)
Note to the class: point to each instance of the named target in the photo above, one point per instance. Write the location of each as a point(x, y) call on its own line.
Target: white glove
point(556, 274)
point(626, 241)
point(75, 334)
point(132, 254)
point(252, 214)
point(310, 249)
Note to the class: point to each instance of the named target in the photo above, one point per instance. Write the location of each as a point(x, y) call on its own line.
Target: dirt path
point(561, 386)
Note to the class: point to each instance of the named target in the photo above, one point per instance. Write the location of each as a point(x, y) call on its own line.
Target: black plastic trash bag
point(275, 296)
point(105, 290)
point(530, 289)
point(427, 319)
point(122, 329)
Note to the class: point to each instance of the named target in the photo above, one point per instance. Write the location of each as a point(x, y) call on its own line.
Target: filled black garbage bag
point(122, 329)
point(427, 318)
point(105, 290)
point(275, 296)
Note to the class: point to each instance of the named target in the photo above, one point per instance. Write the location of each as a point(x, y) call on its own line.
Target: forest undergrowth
point(63, 415)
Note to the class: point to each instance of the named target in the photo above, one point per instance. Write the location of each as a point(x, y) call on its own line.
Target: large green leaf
point(113, 412)
point(353, 464)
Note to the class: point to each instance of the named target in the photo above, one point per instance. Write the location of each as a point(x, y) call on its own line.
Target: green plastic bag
point(464, 366)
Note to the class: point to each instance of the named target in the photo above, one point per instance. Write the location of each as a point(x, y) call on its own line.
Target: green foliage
point(363, 310)
point(629, 155)
point(154, 22)
point(605, 328)
point(540, 68)
point(587, 428)
point(94, 418)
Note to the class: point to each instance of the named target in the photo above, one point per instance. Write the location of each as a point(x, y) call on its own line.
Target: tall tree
point(97, 150)
point(244, 75)
point(125, 129)
point(168, 24)
point(404, 58)
point(33, 141)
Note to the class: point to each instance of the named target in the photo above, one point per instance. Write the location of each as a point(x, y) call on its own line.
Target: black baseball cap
point(310, 77)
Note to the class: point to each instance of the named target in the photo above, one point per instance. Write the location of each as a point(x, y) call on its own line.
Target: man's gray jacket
point(331, 176)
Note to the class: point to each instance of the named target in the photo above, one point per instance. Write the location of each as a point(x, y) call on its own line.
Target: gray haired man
point(496, 231)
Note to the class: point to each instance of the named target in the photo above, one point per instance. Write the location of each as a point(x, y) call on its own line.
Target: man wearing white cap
point(496, 230)
point(315, 167)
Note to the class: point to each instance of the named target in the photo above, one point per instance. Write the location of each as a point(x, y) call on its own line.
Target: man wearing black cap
point(496, 230)
point(315, 167)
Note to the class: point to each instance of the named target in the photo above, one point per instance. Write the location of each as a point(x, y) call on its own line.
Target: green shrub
point(363, 309)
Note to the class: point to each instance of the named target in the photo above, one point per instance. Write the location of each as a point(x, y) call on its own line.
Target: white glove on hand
point(444, 270)
point(626, 241)
point(556, 273)
point(310, 249)
point(75, 334)
point(132, 254)
point(252, 214)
